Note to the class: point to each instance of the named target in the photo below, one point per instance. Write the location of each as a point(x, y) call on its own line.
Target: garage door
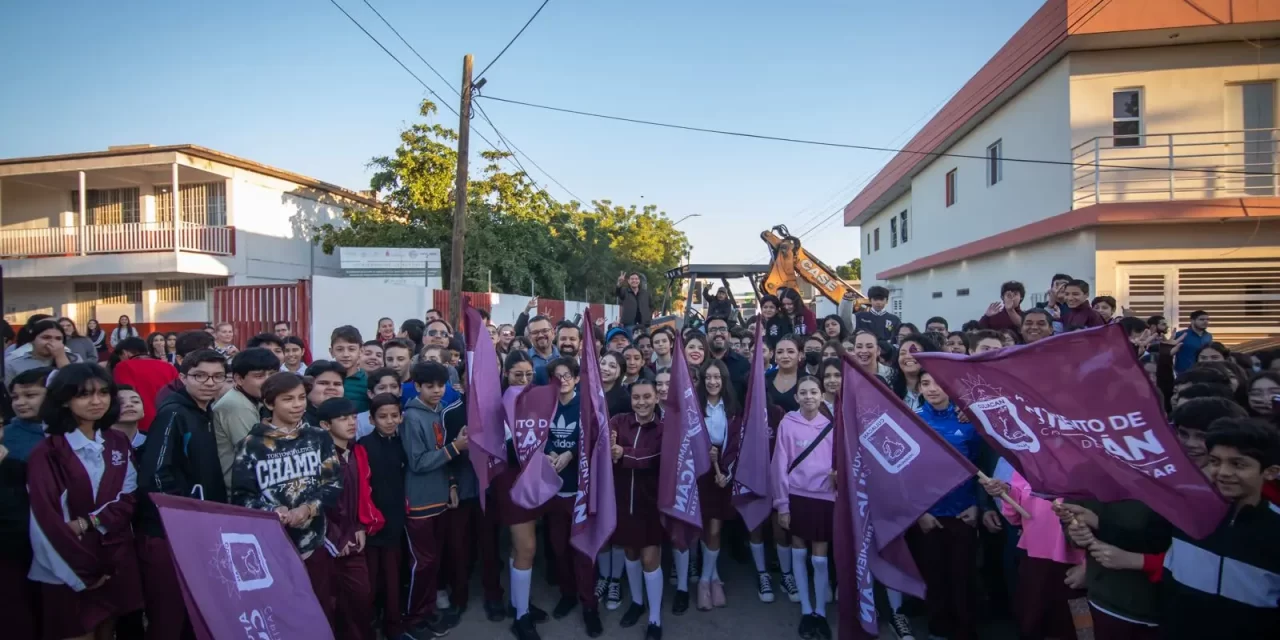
point(1242, 298)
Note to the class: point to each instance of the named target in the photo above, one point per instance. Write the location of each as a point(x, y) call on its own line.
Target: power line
point(515, 149)
point(513, 40)
point(415, 51)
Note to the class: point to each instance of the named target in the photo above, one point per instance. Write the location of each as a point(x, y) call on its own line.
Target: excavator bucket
point(791, 263)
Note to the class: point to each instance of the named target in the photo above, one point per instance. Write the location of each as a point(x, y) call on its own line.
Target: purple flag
point(900, 468)
point(485, 431)
point(686, 454)
point(746, 454)
point(240, 574)
point(1078, 418)
point(595, 514)
point(538, 481)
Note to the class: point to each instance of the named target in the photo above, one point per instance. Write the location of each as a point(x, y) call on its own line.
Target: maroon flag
point(240, 574)
point(746, 452)
point(1078, 418)
point(538, 481)
point(686, 454)
point(485, 420)
point(595, 513)
point(898, 467)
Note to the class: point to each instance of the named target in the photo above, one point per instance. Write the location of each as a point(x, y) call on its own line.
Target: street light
point(692, 215)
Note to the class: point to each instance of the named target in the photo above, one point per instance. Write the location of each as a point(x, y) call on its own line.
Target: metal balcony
point(132, 237)
point(1175, 166)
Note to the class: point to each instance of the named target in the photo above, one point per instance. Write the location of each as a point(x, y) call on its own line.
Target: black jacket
point(629, 302)
point(717, 308)
point(180, 458)
point(1227, 585)
point(464, 476)
point(776, 327)
point(15, 510)
point(739, 370)
point(386, 482)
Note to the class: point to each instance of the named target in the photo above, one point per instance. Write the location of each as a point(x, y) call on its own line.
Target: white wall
point(273, 220)
point(1034, 124)
point(1033, 265)
point(360, 303)
point(23, 298)
point(30, 206)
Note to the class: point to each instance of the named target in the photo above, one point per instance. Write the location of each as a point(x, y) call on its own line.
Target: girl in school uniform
point(720, 407)
point(804, 496)
point(637, 454)
point(82, 480)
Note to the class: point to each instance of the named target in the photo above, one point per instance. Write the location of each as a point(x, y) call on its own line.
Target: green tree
point(516, 232)
point(850, 271)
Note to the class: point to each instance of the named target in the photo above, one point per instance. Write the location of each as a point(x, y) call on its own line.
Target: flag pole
point(1004, 495)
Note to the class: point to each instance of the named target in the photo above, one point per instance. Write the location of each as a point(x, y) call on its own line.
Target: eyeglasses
point(715, 330)
point(201, 377)
point(564, 377)
point(540, 332)
point(507, 334)
point(438, 333)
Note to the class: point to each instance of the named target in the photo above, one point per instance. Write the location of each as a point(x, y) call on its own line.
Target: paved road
point(744, 617)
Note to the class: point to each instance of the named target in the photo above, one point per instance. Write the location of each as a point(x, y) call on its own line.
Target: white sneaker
point(789, 585)
point(765, 588)
point(615, 595)
point(901, 627)
point(602, 587)
point(442, 600)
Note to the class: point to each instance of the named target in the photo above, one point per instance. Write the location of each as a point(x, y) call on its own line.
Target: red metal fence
point(254, 309)
point(440, 301)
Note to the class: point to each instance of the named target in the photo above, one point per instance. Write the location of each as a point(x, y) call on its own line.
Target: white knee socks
point(709, 564)
point(635, 582)
point(895, 599)
point(653, 587)
point(784, 558)
point(520, 581)
point(800, 566)
point(820, 584)
point(757, 554)
point(682, 569)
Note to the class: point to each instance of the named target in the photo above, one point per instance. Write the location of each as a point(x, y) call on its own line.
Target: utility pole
point(460, 197)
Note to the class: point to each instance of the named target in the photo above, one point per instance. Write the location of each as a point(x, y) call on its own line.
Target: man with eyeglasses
point(739, 367)
point(180, 459)
point(542, 351)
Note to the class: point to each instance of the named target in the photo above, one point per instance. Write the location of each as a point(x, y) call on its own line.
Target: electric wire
point(513, 40)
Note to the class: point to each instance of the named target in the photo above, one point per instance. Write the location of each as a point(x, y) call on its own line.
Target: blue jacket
point(21, 436)
point(964, 438)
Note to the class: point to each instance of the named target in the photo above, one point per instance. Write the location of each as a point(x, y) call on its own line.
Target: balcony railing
point(1176, 166)
point(115, 238)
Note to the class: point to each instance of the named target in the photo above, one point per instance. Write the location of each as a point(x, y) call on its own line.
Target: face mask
point(812, 358)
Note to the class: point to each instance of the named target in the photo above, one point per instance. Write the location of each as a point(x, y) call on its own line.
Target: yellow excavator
point(791, 263)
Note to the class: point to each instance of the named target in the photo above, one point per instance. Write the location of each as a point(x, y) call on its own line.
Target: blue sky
point(293, 83)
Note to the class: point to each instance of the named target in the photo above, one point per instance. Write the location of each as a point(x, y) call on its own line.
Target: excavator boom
point(791, 263)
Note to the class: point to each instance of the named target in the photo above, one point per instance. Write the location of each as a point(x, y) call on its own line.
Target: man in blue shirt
point(542, 351)
point(1188, 342)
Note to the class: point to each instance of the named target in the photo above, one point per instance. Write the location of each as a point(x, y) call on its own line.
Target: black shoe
point(431, 629)
point(564, 607)
point(807, 631)
point(591, 618)
point(653, 632)
point(524, 629)
point(821, 627)
point(680, 603)
point(538, 615)
point(632, 616)
point(494, 611)
point(449, 618)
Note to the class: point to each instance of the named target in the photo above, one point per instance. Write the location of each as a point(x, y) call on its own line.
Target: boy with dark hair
point(386, 465)
point(1007, 313)
point(19, 609)
point(180, 458)
point(293, 359)
point(397, 354)
point(185, 344)
point(131, 412)
point(269, 341)
point(1188, 342)
point(383, 380)
point(239, 410)
point(344, 346)
point(936, 324)
point(1192, 419)
point(881, 324)
point(464, 519)
point(348, 523)
point(1228, 584)
point(1055, 300)
point(371, 356)
point(1078, 314)
point(1106, 307)
point(1200, 390)
point(429, 491)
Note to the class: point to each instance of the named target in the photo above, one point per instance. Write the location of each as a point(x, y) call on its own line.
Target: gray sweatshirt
point(427, 475)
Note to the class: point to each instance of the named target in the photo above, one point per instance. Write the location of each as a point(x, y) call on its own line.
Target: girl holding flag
point(637, 454)
point(804, 495)
point(719, 408)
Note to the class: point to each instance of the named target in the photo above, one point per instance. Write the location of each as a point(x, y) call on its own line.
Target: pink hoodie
point(811, 477)
point(1042, 535)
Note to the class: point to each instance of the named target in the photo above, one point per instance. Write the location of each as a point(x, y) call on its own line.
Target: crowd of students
point(365, 458)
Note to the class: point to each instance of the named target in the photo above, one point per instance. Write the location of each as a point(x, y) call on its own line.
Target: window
point(1126, 118)
point(937, 294)
point(995, 162)
point(191, 290)
point(893, 231)
point(120, 292)
point(960, 293)
point(203, 204)
point(876, 235)
point(951, 187)
point(868, 243)
point(902, 225)
point(108, 206)
point(896, 305)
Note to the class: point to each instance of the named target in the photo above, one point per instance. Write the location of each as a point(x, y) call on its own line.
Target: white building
point(93, 234)
point(1163, 106)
